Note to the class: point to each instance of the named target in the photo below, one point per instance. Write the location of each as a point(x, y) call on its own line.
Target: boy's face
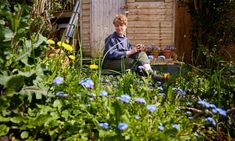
point(120, 29)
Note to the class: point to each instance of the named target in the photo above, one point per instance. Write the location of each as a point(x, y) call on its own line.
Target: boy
point(119, 54)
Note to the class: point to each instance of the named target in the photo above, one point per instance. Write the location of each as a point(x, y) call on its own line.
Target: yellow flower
point(93, 67)
point(66, 46)
point(72, 57)
point(50, 42)
point(166, 75)
point(59, 44)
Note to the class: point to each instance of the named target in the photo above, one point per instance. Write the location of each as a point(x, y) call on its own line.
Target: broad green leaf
point(2, 22)
point(24, 134)
point(15, 84)
point(8, 34)
point(4, 78)
point(4, 130)
point(41, 39)
point(28, 44)
point(4, 119)
point(16, 119)
point(57, 103)
point(38, 96)
point(65, 114)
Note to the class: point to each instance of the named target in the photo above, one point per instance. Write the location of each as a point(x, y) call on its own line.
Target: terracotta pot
point(167, 53)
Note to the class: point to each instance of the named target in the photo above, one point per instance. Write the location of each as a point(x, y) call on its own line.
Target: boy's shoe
point(157, 77)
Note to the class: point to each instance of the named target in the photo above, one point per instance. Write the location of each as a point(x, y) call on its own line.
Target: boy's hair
point(120, 20)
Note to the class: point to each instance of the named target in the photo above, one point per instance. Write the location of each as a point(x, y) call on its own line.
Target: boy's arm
point(112, 51)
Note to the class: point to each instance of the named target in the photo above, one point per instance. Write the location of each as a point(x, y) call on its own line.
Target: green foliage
point(36, 107)
point(212, 23)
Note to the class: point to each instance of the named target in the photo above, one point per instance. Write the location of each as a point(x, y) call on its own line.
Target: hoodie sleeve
point(112, 50)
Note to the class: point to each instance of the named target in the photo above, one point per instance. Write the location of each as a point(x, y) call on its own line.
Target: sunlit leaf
point(24, 134)
point(4, 130)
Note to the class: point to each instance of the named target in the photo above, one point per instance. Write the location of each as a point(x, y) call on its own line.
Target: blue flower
point(160, 88)
point(140, 100)
point(122, 126)
point(221, 111)
point(214, 110)
point(176, 126)
point(61, 94)
point(211, 120)
point(150, 57)
point(161, 127)
point(104, 125)
point(204, 103)
point(140, 68)
point(212, 106)
point(151, 108)
point(181, 92)
point(159, 83)
point(125, 98)
point(87, 83)
point(78, 95)
point(103, 93)
point(196, 134)
point(58, 80)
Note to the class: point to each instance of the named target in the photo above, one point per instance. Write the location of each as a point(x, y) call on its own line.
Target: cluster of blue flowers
point(214, 109)
point(176, 126)
point(151, 108)
point(61, 94)
point(140, 100)
point(126, 99)
point(121, 126)
point(104, 125)
point(58, 80)
point(161, 127)
point(103, 93)
point(211, 120)
point(87, 83)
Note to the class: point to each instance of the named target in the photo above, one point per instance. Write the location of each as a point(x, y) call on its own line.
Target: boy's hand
point(132, 51)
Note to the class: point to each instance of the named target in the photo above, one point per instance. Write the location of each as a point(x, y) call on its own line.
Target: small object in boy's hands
point(140, 46)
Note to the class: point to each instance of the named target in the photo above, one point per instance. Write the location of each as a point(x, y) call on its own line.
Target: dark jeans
point(131, 62)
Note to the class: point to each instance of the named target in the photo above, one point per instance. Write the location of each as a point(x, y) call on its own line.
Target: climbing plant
point(212, 23)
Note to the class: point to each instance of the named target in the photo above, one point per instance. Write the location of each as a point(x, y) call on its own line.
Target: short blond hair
point(120, 20)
